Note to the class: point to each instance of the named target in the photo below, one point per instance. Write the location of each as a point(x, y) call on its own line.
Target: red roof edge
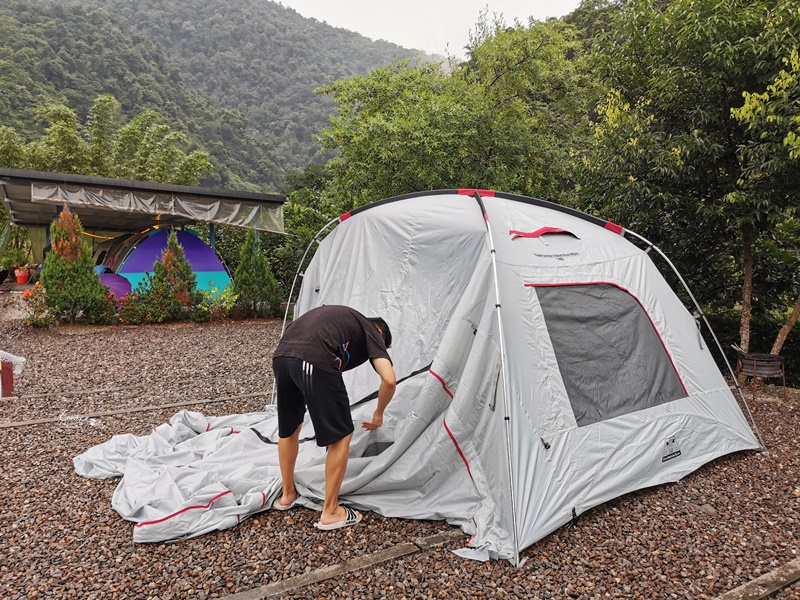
point(344, 217)
point(613, 227)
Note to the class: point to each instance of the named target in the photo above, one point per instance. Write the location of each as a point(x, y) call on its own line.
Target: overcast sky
point(430, 25)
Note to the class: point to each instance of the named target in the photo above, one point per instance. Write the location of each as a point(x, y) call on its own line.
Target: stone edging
point(279, 588)
point(766, 585)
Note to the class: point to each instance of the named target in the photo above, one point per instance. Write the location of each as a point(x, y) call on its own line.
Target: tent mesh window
point(612, 360)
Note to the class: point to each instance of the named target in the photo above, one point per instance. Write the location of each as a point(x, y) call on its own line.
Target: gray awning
point(33, 199)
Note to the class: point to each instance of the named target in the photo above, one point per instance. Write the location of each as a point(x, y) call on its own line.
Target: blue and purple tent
point(206, 265)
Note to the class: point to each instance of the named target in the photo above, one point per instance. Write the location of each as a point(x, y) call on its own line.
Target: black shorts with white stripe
point(300, 386)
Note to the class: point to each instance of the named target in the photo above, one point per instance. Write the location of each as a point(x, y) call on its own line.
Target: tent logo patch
point(671, 449)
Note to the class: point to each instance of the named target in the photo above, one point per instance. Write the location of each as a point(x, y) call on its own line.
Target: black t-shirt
point(332, 338)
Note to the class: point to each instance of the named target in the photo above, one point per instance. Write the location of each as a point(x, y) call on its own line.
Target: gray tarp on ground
point(485, 435)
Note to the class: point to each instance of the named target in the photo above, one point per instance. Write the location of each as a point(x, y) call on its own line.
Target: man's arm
point(388, 384)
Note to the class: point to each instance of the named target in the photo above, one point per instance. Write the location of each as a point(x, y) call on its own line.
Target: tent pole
point(291, 290)
point(714, 335)
point(506, 402)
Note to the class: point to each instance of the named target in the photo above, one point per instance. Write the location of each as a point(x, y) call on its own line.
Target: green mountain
point(238, 75)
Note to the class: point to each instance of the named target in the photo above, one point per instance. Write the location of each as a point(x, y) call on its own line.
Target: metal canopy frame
point(34, 199)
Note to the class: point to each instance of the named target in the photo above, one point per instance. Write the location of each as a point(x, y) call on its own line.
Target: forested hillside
point(259, 58)
point(238, 75)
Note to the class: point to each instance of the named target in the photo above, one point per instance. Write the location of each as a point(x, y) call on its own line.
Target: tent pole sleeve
point(713, 335)
point(506, 401)
point(291, 290)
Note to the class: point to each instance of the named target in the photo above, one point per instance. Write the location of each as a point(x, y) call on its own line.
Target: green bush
point(34, 304)
point(169, 294)
point(219, 304)
point(151, 302)
point(257, 291)
point(73, 289)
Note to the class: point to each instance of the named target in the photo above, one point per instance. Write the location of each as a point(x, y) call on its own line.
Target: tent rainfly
point(545, 367)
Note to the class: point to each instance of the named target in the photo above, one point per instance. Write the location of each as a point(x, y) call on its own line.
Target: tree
point(12, 148)
point(258, 293)
point(306, 212)
point(169, 294)
point(73, 290)
point(62, 149)
point(508, 119)
point(667, 158)
point(175, 270)
point(147, 149)
point(771, 158)
point(592, 18)
point(102, 125)
point(143, 149)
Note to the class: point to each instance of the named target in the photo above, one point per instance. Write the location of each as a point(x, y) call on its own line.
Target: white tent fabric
point(549, 368)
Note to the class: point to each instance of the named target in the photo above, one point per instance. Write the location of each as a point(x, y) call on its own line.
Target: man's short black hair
point(384, 327)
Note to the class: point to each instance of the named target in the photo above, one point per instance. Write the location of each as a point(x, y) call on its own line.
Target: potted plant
point(22, 274)
point(11, 260)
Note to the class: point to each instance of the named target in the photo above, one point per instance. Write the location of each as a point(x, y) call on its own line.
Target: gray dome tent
point(557, 369)
point(544, 365)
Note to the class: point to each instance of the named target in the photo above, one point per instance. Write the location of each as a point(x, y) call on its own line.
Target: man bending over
point(308, 364)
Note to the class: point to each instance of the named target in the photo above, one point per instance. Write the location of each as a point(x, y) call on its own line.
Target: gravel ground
point(732, 521)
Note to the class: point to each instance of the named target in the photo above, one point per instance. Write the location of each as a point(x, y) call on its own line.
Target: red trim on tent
point(470, 191)
point(613, 227)
point(458, 449)
point(183, 510)
point(263, 499)
point(644, 310)
point(444, 385)
point(534, 234)
point(344, 217)
point(450, 433)
point(208, 426)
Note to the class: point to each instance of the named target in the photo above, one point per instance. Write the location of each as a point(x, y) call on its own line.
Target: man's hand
point(377, 421)
point(385, 392)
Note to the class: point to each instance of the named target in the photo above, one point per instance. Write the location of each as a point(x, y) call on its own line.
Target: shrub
point(219, 304)
point(73, 289)
point(34, 304)
point(151, 302)
point(169, 294)
point(257, 291)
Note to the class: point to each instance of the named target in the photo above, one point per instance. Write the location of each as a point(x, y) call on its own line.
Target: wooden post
point(6, 379)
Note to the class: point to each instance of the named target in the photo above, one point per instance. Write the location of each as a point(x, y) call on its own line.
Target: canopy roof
point(33, 198)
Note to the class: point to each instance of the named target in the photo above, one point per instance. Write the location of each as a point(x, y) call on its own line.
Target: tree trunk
point(747, 288)
point(786, 329)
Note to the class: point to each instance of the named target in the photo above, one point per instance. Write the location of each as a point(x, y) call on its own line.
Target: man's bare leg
point(335, 466)
point(287, 456)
